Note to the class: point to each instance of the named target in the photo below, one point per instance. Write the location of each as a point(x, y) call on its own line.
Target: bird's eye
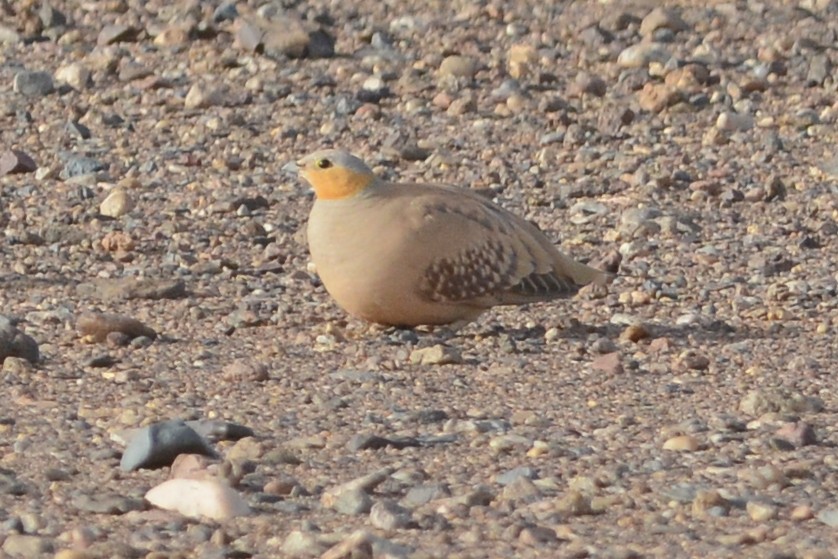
point(323, 163)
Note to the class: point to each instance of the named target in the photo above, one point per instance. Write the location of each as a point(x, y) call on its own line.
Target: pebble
point(157, 445)
point(734, 122)
point(95, 327)
point(574, 503)
point(106, 503)
point(458, 66)
point(694, 361)
point(33, 84)
point(681, 443)
point(305, 544)
point(14, 161)
point(197, 498)
point(117, 203)
point(245, 371)
point(202, 96)
point(352, 497)
point(609, 363)
point(761, 401)
point(798, 434)
point(641, 54)
point(219, 430)
point(438, 354)
point(425, 493)
point(77, 166)
point(662, 18)
point(635, 333)
point(75, 74)
point(116, 33)
point(24, 545)
point(134, 288)
point(14, 343)
point(357, 546)
point(828, 517)
point(760, 511)
point(389, 515)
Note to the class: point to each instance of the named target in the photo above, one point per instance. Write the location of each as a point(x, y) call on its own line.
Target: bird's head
point(335, 174)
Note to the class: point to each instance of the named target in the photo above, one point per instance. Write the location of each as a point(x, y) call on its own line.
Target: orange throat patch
point(337, 183)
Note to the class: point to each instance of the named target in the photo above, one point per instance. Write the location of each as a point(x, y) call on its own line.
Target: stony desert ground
point(691, 412)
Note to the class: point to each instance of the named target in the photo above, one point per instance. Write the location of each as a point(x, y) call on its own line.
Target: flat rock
point(33, 84)
point(14, 343)
point(97, 326)
point(157, 445)
point(14, 161)
point(134, 288)
point(198, 498)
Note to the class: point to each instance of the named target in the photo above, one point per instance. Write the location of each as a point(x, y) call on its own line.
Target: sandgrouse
point(421, 254)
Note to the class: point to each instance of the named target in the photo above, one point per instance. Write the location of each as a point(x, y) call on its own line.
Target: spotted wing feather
point(489, 256)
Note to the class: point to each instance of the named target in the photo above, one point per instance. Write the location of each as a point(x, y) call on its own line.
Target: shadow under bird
point(422, 254)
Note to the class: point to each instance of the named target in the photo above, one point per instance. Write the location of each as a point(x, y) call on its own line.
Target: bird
point(415, 254)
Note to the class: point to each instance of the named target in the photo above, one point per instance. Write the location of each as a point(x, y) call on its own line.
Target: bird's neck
point(342, 184)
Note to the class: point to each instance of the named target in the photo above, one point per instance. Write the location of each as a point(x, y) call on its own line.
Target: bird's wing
point(474, 250)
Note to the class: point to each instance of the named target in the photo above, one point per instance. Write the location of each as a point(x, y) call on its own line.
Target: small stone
point(117, 204)
point(641, 54)
point(694, 361)
point(828, 517)
point(24, 545)
point(574, 503)
point(201, 96)
point(425, 493)
point(116, 33)
point(366, 441)
point(14, 343)
point(662, 18)
point(610, 363)
point(14, 161)
point(707, 500)
point(352, 502)
point(820, 68)
point(245, 371)
point(438, 354)
point(522, 489)
point(802, 513)
point(75, 75)
point(634, 333)
point(458, 66)
point(76, 166)
point(191, 466)
point(173, 35)
point(106, 503)
point(761, 401)
point(95, 327)
point(589, 84)
point(681, 443)
point(158, 445)
point(78, 130)
point(761, 512)
point(656, 97)
point(352, 497)
point(304, 544)
point(33, 84)
point(388, 515)
point(734, 122)
point(537, 535)
point(197, 498)
point(359, 545)
point(9, 36)
point(798, 434)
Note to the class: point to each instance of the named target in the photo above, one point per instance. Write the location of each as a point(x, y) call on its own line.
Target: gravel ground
point(692, 412)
